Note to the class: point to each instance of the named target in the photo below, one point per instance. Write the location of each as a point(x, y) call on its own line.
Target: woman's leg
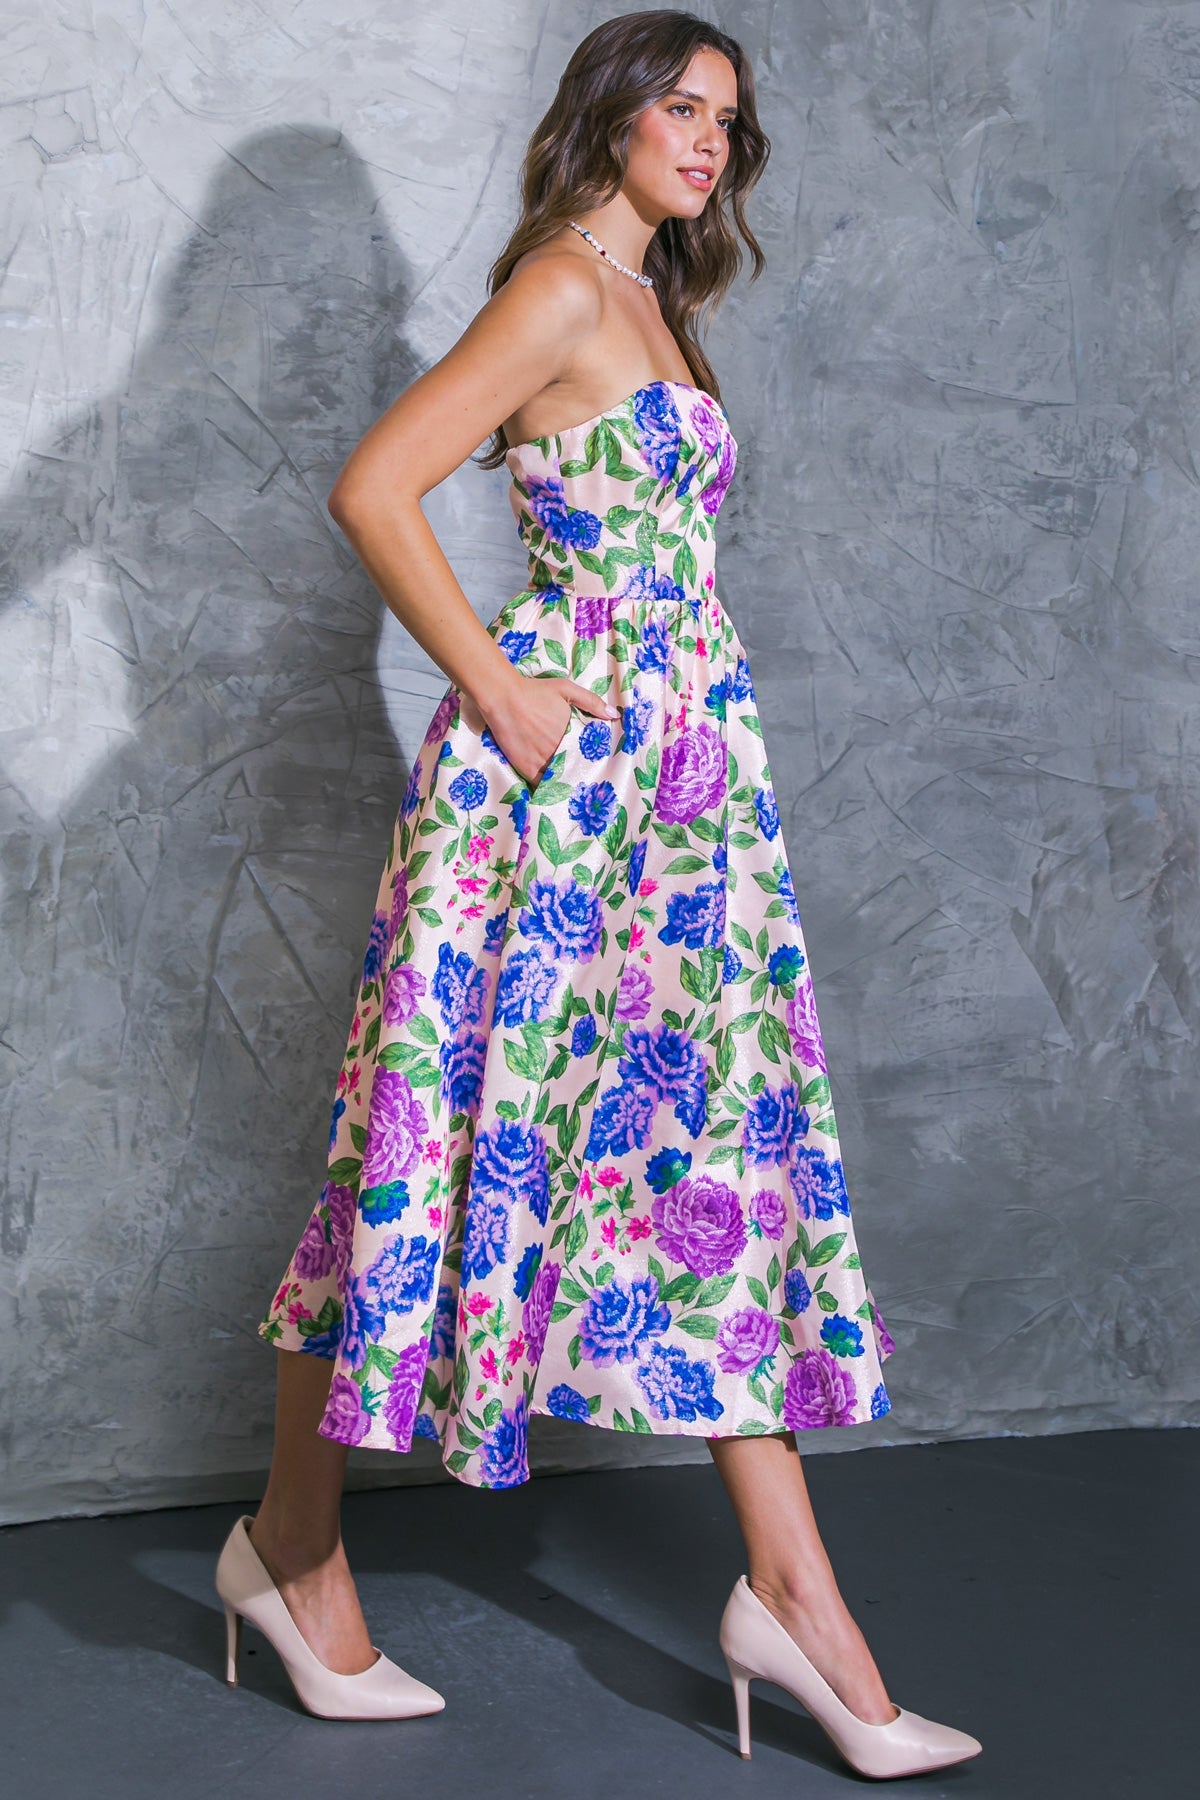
point(297, 1529)
point(789, 1569)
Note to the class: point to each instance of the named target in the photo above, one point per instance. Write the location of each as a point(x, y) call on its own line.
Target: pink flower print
point(480, 847)
point(298, 1311)
point(357, 1025)
point(353, 1076)
point(478, 1304)
point(637, 936)
point(608, 1231)
point(488, 1365)
point(639, 1228)
point(280, 1297)
point(708, 579)
point(472, 884)
point(646, 887)
point(341, 1081)
point(434, 1215)
point(516, 1349)
point(609, 1176)
point(701, 646)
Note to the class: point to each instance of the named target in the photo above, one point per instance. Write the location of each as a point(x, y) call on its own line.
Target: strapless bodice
point(624, 504)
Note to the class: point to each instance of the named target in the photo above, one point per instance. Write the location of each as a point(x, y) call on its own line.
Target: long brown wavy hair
point(576, 159)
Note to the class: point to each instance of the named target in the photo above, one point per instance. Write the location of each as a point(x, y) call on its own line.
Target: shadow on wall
point(197, 805)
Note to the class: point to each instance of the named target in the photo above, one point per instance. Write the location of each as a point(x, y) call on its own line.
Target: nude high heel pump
point(758, 1647)
point(384, 1691)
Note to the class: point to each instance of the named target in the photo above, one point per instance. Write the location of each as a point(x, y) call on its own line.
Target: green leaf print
point(358, 1137)
point(827, 1249)
point(715, 1290)
point(372, 1034)
point(683, 1287)
point(576, 1236)
point(641, 1422)
point(827, 1302)
point(758, 1292)
point(346, 1171)
point(701, 1325)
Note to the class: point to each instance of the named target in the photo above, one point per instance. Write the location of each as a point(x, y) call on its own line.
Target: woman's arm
point(522, 340)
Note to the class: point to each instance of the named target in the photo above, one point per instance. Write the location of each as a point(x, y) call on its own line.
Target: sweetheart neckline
point(537, 442)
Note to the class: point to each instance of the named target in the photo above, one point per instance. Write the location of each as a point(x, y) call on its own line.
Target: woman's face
point(688, 129)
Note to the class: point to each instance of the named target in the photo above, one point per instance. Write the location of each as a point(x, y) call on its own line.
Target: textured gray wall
point(961, 549)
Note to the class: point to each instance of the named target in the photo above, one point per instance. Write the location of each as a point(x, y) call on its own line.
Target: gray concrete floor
point(1040, 1593)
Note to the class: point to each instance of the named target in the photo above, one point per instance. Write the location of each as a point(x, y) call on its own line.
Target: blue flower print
point(339, 1107)
point(665, 1168)
point(842, 1335)
point(568, 1403)
point(485, 1233)
point(880, 1402)
point(796, 1292)
point(403, 1274)
point(503, 1450)
point(785, 965)
point(697, 918)
point(459, 987)
point(656, 420)
point(517, 644)
point(731, 965)
point(766, 812)
point(818, 1182)
point(620, 1318)
point(593, 807)
point(377, 949)
point(584, 1035)
point(567, 917)
point(469, 790)
point(677, 1388)
point(595, 740)
point(527, 1268)
point(621, 1121)
point(526, 987)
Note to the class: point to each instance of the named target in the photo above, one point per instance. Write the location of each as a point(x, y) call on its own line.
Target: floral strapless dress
point(583, 1158)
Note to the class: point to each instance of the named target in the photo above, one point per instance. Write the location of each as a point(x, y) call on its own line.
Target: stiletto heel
point(741, 1693)
point(233, 1643)
point(757, 1646)
point(384, 1691)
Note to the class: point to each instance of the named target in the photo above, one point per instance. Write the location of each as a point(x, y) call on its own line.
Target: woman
point(586, 871)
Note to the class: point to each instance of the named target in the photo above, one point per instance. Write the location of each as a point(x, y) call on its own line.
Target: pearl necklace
point(646, 280)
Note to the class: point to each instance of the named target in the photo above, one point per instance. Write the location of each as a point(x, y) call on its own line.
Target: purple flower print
point(677, 1388)
point(693, 775)
point(569, 525)
point(804, 1028)
point(699, 1223)
point(768, 1212)
point(619, 1319)
point(593, 614)
point(447, 706)
point(634, 991)
point(343, 1211)
point(397, 1126)
point(745, 1338)
point(402, 993)
point(771, 1121)
point(535, 1317)
point(313, 1255)
point(886, 1341)
point(567, 917)
point(403, 1394)
point(503, 1451)
point(706, 423)
point(818, 1182)
point(460, 987)
point(714, 493)
point(653, 654)
point(399, 900)
point(818, 1391)
point(344, 1420)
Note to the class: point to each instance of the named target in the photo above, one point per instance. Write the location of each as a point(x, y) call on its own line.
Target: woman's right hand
point(528, 721)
